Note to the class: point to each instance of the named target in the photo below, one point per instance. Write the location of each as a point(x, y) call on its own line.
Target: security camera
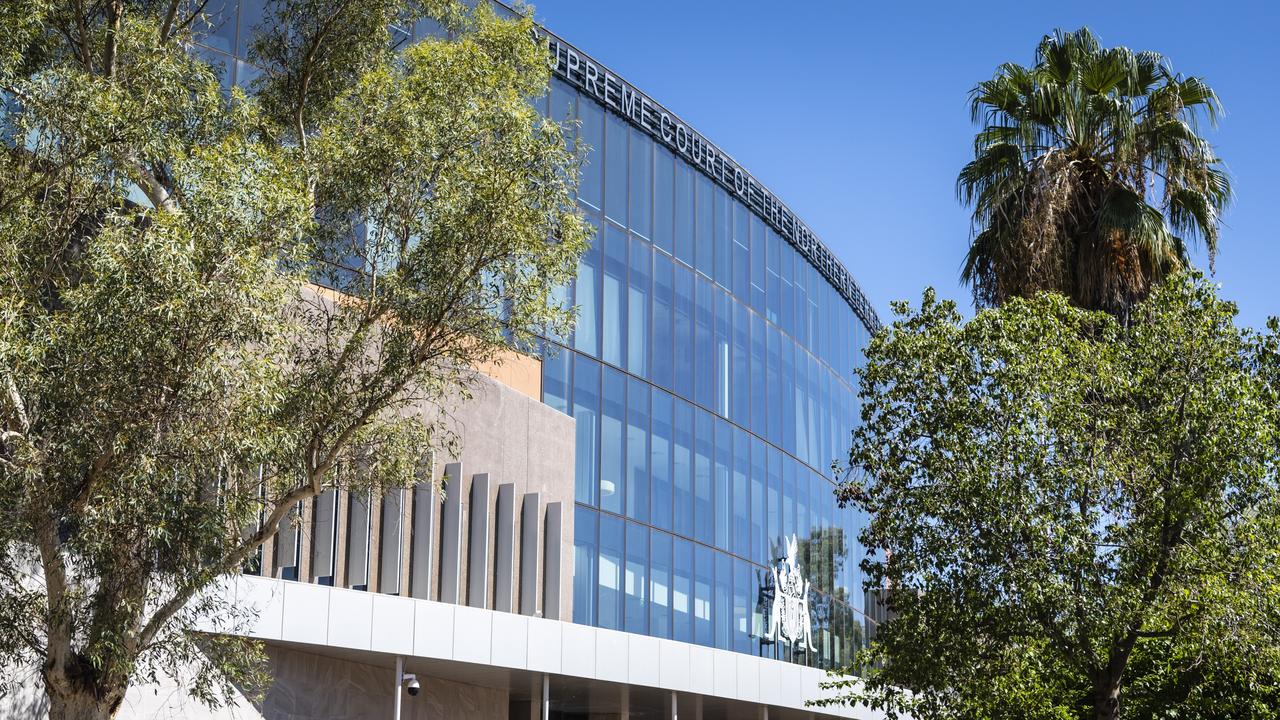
point(411, 683)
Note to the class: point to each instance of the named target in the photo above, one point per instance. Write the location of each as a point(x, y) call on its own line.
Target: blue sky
point(855, 113)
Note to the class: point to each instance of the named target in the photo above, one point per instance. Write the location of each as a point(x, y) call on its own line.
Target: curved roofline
point(622, 98)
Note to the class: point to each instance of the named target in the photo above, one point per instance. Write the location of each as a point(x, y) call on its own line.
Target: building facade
point(642, 521)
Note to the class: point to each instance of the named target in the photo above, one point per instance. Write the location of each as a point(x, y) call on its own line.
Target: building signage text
point(623, 99)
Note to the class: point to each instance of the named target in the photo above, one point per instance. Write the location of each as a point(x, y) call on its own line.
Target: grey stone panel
point(551, 574)
point(478, 543)
point(504, 549)
point(421, 555)
point(530, 514)
point(358, 529)
point(287, 539)
point(324, 522)
point(451, 536)
point(390, 544)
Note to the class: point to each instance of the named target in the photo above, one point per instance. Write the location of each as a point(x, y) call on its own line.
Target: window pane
point(660, 458)
point(704, 251)
point(741, 253)
point(641, 183)
point(704, 363)
point(704, 576)
point(612, 480)
point(723, 339)
point(586, 414)
point(636, 579)
point(723, 221)
point(563, 110)
point(682, 591)
point(664, 197)
point(773, 384)
point(758, 252)
point(614, 307)
point(759, 538)
point(217, 27)
point(584, 565)
point(703, 477)
point(741, 493)
point(638, 308)
point(251, 17)
point(724, 484)
point(742, 606)
point(722, 612)
point(682, 371)
point(684, 213)
point(637, 473)
point(774, 500)
point(585, 334)
point(660, 595)
point(555, 377)
point(615, 187)
point(660, 357)
point(609, 613)
point(682, 469)
point(591, 183)
point(759, 387)
point(740, 400)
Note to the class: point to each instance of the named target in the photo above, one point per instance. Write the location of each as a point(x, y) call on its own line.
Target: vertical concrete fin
point(287, 539)
point(478, 543)
point(551, 562)
point(504, 549)
point(324, 524)
point(390, 542)
point(421, 558)
point(530, 513)
point(451, 535)
point(358, 528)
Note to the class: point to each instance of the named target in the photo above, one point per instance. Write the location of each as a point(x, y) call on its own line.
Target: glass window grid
point(763, 324)
point(797, 304)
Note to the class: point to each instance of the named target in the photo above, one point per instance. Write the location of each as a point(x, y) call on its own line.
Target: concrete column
point(478, 543)
point(530, 514)
point(674, 712)
point(358, 530)
point(287, 542)
point(551, 563)
point(421, 555)
point(504, 549)
point(451, 535)
point(324, 526)
point(390, 548)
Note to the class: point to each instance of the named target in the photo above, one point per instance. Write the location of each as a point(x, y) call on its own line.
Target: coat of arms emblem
point(789, 609)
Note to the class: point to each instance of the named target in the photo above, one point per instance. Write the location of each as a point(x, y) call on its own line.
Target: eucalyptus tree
point(1090, 176)
point(1070, 517)
point(217, 303)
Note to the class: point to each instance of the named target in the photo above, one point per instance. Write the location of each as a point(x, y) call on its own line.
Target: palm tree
point(1089, 176)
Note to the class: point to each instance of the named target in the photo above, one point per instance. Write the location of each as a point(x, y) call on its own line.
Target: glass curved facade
point(710, 377)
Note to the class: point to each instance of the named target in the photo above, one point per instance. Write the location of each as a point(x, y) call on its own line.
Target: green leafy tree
point(172, 384)
point(1071, 518)
point(1089, 175)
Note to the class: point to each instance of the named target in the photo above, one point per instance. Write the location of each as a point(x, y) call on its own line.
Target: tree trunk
point(1106, 698)
point(81, 697)
point(81, 706)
